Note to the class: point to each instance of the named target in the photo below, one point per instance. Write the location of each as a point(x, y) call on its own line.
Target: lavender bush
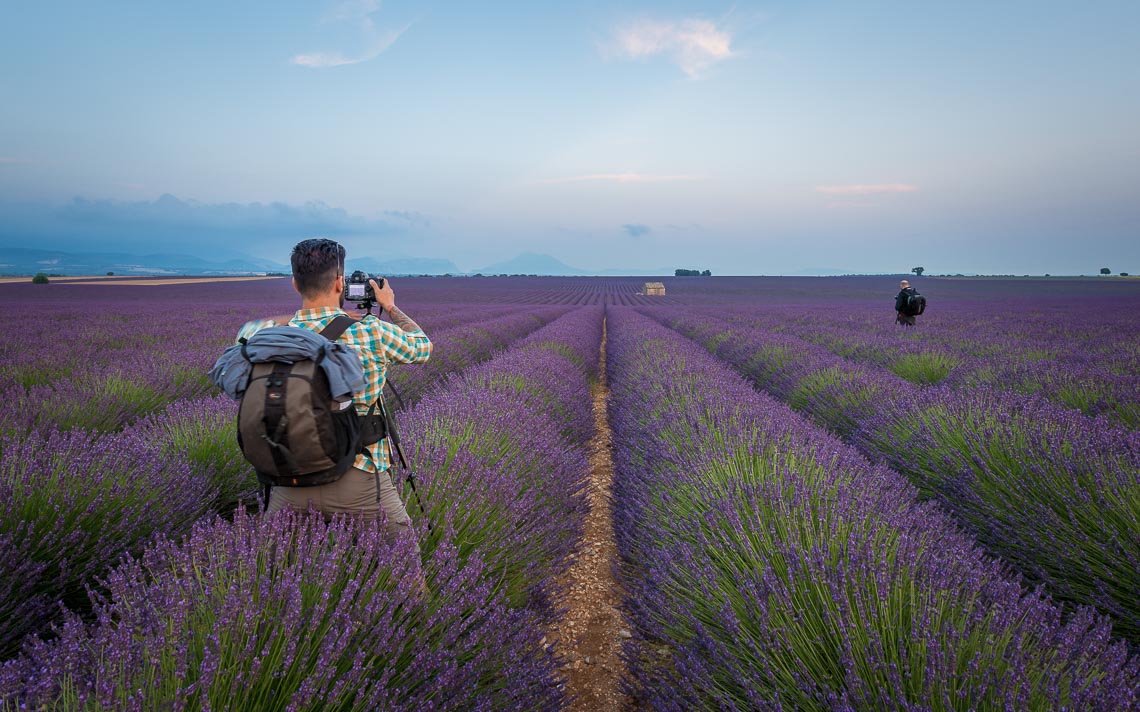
point(1040, 485)
point(102, 398)
point(498, 449)
point(117, 387)
point(289, 613)
point(201, 432)
point(1055, 492)
point(770, 566)
point(466, 345)
point(504, 485)
point(1068, 343)
point(71, 504)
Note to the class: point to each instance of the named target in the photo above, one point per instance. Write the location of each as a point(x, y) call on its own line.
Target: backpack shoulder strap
point(337, 326)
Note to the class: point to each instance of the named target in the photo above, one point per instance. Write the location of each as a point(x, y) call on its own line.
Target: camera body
point(357, 288)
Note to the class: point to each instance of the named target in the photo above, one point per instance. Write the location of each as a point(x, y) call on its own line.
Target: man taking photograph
point(366, 488)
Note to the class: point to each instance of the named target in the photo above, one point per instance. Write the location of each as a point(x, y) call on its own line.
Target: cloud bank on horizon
point(755, 137)
point(169, 224)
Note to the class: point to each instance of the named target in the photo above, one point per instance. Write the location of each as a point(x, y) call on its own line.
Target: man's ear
point(338, 287)
point(295, 287)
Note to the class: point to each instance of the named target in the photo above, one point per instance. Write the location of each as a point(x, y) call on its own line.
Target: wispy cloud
point(627, 177)
point(636, 230)
point(10, 161)
point(359, 13)
point(866, 188)
point(693, 45)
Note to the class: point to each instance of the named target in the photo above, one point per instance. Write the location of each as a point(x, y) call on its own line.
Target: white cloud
point(693, 45)
point(627, 177)
point(358, 12)
point(319, 60)
point(866, 188)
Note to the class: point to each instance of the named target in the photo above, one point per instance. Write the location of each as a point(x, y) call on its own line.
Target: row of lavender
point(1085, 356)
point(119, 368)
point(291, 612)
point(74, 499)
point(1053, 492)
point(769, 566)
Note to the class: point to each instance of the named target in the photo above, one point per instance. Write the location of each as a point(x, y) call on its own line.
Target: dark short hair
point(316, 263)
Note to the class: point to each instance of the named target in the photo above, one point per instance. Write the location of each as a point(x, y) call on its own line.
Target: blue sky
point(748, 138)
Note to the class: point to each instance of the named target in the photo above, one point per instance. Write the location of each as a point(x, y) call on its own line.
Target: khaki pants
point(353, 493)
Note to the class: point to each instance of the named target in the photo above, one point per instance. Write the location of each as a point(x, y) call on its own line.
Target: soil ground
point(592, 630)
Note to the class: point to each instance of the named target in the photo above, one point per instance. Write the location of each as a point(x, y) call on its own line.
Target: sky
point(745, 138)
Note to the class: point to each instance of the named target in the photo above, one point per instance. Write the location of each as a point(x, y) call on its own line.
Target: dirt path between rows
point(592, 630)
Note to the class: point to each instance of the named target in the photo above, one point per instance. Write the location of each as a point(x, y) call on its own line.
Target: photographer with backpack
point(297, 391)
point(908, 304)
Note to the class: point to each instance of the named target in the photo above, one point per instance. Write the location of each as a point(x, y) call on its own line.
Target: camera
point(357, 288)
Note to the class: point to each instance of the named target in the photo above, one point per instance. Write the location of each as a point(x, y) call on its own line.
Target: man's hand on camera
point(385, 297)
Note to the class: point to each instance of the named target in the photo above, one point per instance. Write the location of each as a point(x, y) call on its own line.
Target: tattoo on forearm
point(402, 320)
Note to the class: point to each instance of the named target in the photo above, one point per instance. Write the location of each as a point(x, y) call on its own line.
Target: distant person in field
point(903, 316)
point(367, 487)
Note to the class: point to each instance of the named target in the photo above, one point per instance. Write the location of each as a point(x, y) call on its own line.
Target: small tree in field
point(40, 278)
point(1105, 270)
point(1123, 274)
point(918, 270)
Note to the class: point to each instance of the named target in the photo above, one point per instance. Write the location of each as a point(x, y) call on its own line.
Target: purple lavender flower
point(71, 504)
point(290, 612)
point(770, 566)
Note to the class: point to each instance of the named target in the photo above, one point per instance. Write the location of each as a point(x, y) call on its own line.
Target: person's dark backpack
point(915, 304)
point(291, 428)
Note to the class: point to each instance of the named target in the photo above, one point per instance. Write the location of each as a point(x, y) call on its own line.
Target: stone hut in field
point(654, 289)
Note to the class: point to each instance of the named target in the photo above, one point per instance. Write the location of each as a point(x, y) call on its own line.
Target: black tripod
point(393, 437)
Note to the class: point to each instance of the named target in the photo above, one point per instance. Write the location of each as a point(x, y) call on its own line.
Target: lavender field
point(813, 508)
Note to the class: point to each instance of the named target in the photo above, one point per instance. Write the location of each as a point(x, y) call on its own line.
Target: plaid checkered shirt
point(378, 344)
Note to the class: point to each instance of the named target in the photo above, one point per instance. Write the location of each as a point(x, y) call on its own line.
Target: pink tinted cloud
point(694, 45)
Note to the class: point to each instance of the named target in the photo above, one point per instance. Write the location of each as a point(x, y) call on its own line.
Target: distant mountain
point(532, 263)
point(402, 266)
point(19, 261)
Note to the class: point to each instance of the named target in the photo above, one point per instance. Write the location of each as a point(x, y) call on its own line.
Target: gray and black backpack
point(292, 429)
point(915, 303)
